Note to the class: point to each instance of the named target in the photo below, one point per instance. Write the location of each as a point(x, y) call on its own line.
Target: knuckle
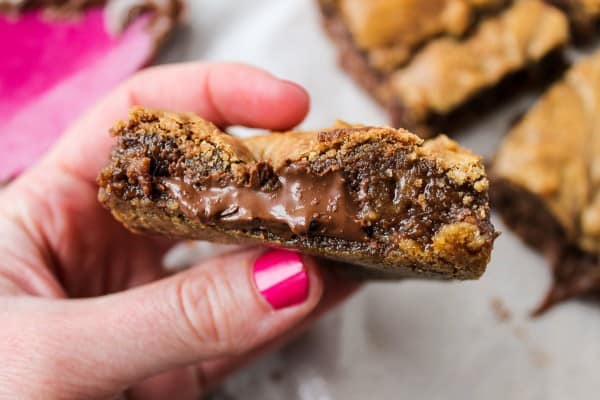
point(208, 308)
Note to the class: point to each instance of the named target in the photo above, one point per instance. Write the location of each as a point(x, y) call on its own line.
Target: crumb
point(539, 357)
point(520, 332)
point(500, 311)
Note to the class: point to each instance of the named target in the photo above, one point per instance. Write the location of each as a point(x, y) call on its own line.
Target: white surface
point(409, 340)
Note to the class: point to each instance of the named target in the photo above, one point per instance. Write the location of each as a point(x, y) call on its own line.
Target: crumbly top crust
point(391, 29)
point(280, 149)
point(459, 164)
point(172, 125)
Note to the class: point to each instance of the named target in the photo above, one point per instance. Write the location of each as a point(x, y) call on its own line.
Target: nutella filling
point(304, 202)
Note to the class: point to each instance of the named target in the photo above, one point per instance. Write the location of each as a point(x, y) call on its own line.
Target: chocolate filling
point(374, 194)
point(365, 196)
point(301, 201)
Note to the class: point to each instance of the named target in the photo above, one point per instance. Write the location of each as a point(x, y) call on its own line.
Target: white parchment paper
point(404, 340)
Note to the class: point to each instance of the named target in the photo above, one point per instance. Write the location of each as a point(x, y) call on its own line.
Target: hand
point(86, 309)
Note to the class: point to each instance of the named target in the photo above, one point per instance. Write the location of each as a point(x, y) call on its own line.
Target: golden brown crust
point(447, 72)
point(450, 80)
point(310, 145)
point(460, 164)
point(387, 31)
point(171, 124)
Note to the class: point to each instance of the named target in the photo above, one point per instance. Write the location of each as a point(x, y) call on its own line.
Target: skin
point(86, 309)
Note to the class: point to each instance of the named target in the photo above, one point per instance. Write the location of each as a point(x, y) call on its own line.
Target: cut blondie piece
point(374, 197)
point(546, 179)
point(450, 76)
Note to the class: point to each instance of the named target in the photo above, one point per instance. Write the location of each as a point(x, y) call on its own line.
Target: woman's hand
point(72, 327)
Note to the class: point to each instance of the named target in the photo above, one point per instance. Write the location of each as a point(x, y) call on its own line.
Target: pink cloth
point(53, 70)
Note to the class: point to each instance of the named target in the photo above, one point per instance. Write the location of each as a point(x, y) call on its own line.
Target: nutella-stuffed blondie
point(374, 197)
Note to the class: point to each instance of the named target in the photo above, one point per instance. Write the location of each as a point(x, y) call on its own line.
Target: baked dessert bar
point(375, 197)
point(447, 73)
point(389, 31)
point(546, 179)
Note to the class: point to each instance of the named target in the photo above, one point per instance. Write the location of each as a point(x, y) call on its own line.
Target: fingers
point(192, 382)
point(226, 94)
point(222, 308)
point(336, 290)
point(209, 375)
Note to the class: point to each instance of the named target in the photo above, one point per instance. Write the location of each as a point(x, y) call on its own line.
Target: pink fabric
point(281, 278)
point(51, 71)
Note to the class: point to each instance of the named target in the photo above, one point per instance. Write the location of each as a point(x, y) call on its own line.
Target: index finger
point(224, 93)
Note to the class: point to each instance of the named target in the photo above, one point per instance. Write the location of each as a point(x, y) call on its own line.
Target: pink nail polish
point(281, 278)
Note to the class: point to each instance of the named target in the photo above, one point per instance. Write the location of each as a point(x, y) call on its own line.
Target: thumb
point(223, 307)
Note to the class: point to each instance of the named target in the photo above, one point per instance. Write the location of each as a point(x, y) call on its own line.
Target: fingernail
point(281, 278)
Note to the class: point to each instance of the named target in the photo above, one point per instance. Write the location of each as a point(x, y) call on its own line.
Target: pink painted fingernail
point(281, 278)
